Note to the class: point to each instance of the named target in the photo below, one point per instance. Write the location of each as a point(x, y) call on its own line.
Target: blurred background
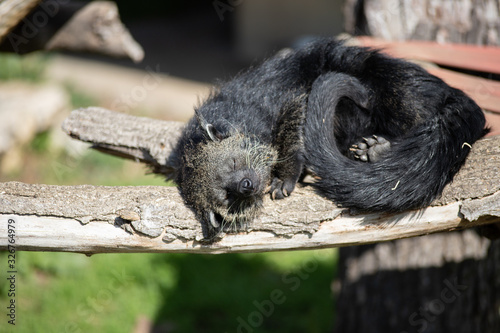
point(188, 46)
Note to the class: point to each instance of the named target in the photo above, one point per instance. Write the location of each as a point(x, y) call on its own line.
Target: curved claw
point(213, 220)
point(281, 189)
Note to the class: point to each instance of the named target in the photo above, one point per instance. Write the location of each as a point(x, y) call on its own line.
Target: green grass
point(45, 164)
point(96, 168)
point(59, 292)
point(28, 67)
point(78, 98)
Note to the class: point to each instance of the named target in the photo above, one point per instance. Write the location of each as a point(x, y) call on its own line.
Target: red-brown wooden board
point(478, 58)
point(485, 92)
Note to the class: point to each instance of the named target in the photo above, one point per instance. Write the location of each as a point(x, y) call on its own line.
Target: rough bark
point(13, 11)
point(438, 283)
point(151, 141)
point(73, 26)
point(459, 21)
point(97, 219)
point(147, 140)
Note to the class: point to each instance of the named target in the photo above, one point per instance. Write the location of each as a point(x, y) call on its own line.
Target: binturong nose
point(248, 185)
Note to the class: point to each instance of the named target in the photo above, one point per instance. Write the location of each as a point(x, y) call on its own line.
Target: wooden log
point(73, 26)
point(97, 27)
point(12, 12)
point(94, 219)
point(439, 283)
point(147, 140)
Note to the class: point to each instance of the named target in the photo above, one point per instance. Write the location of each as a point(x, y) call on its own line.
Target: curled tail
point(409, 176)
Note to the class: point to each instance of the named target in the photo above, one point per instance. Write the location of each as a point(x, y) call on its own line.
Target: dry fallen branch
point(75, 26)
point(97, 28)
point(93, 219)
point(12, 12)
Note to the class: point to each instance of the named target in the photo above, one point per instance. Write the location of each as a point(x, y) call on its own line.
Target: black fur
point(306, 108)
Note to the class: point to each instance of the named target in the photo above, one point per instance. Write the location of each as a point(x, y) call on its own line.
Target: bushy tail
point(411, 175)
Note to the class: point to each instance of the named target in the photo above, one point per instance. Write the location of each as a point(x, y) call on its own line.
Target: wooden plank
point(493, 122)
point(486, 93)
point(479, 58)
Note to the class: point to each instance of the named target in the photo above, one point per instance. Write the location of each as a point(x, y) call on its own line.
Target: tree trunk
point(447, 282)
point(437, 283)
point(458, 21)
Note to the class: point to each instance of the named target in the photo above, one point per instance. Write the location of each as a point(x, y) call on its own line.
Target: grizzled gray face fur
point(227, 179)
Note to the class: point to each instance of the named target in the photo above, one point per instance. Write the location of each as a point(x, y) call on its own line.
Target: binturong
point(379, 134)
point(225, 176)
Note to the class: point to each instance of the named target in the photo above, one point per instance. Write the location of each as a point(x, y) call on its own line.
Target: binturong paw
point(371, 149)
point(280, 189)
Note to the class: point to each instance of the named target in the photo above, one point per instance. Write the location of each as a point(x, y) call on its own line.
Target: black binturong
point(379, 134)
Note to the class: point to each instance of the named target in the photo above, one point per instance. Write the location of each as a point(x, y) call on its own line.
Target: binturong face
point(225, 178)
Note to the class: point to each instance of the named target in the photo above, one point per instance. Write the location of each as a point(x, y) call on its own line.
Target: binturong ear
point(209, 129)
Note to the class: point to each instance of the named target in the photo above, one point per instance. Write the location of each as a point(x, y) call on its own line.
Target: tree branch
point(12, 12)
point(147, 140)
point(93, 219)
point(96, 219)
point(75, 26)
